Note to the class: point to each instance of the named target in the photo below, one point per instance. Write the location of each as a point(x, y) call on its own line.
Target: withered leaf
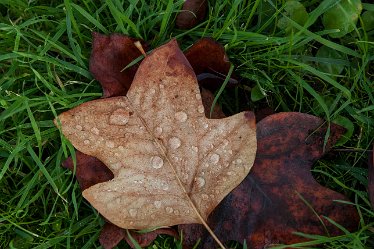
point(89, 170)
point(171, 164)
point(111, 235)
point(193, 12)
point(110, 55)
point(280, 196)
point(209, 57)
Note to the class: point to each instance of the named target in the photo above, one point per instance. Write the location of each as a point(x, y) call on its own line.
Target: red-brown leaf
point(193, 12)
point(145, 239)
point(111, 235)
point(110, 55)
point(266, 208)
point(207, 56)
point(89, 170)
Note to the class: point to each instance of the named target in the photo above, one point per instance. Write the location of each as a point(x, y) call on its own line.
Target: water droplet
point(198, 96)
point(162, 86)
point(230, 152)
point(157, 162)
point(152, 91)
point(200, 182)
point(157, 204)
point(200, 109)
point(133, 212)
point(174, 143)
point(205, 125)
point(169, 210)
point(164, 186)
point(187, 211)
point(225, 142)
point(176, 212)
point(79, 127)
point(214, 158)
point(205, 197)
point(229, 173)
point(180, 116)
point(86, 142)
point(158, 131)
point(119, 117)
point(194, 148)
point(153, 216)
point(237, 161)
point(109, 144)
point(95, 131)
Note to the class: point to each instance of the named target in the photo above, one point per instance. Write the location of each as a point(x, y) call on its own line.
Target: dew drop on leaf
point(95, 131)
point(157, 162)
point(158, 131)
point(169, 210)
point(157, 204)
point(214, 158)
point(78, 127)
point(174, 143)
point(119, 117)
point(180, 116)
point(200, 109)
point(200, 182)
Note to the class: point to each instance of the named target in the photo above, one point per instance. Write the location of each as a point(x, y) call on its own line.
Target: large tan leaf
point(171, 164)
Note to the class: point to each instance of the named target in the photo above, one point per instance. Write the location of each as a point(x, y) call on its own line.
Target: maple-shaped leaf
point(171, 164)
point(280, 196)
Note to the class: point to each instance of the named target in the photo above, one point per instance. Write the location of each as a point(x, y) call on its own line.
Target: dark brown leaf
point(210, 63)
point(270, 204)
point(371, 177)
point(110, 55)
point(193, 12)
point(111, 235)
point(145, 239)
point(89, 170)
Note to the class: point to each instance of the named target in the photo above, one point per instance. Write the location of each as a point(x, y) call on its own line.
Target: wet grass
point(44, 52)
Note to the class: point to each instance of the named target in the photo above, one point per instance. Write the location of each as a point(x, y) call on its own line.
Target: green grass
point(44, 52)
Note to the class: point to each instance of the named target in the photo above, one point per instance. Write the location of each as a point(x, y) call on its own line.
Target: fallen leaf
point(89, 170)
point(171, 164)
point(210, 63)
point(193, 12)
point(280, 195)
point(371, 177)
point(145, 239)
point(110, 55)
point(111, 235)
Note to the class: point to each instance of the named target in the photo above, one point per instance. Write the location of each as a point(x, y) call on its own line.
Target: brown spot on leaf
point(269, 205)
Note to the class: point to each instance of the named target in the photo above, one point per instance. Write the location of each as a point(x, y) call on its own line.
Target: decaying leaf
point(210, 63)
point(110, 55)
point(193, 12)
point(280, 196)
point(89, 170)
point(171, 164)
point(371, 177)
point(145, 239)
